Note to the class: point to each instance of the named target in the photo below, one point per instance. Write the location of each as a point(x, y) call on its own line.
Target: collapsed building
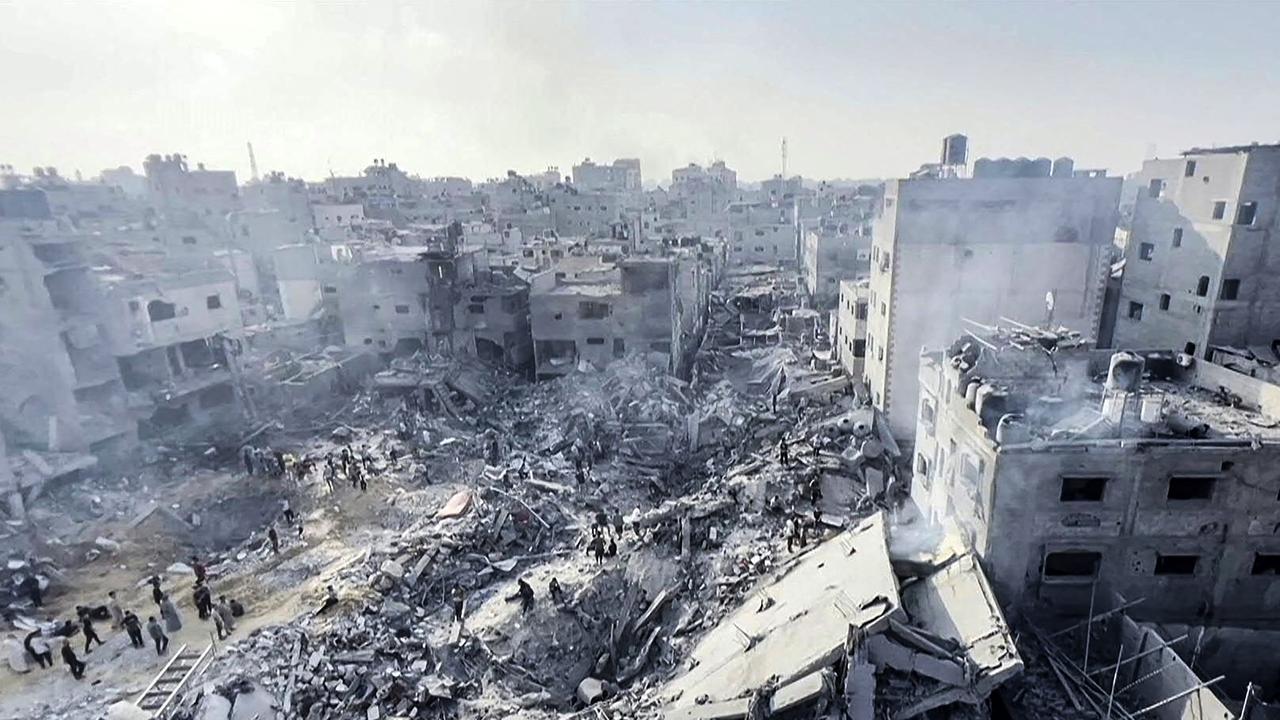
point(586, 310)
point(1147, 473)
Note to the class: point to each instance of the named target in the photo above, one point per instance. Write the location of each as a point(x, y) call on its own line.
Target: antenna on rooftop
point(253, 163)
point(784, 158)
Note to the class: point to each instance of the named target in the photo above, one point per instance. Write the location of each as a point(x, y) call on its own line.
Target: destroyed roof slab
point(957, 603)
point(798, 622)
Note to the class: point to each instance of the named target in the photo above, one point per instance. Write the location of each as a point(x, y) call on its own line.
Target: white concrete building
point(980, 249)
point(849, 326)
point(1201, 270)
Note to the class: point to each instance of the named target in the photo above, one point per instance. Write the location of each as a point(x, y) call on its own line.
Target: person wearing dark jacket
point(90, 635)
point(73, 662)
point(30, 587)
point(133, 626)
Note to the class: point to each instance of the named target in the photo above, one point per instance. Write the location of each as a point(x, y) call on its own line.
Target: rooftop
point(1230, 149)
point(1035, 388)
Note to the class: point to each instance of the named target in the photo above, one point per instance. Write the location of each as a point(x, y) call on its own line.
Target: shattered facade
point(1149, 474)
point(586, 310)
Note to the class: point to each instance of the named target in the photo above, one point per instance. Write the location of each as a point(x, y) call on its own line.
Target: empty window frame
point(1083, 489)
point(1190, 169)
point(402, 309)
point(1135, 310)
point(1165, 299)
point(1155, 188)
point(1176, 564)
point(1202, 286)
point(595, 341)
point(859, 348)
point(861, 311)
point(1177, 237)
point(1230, 289)
point(1246, 213)
point(1072, 564)
point(1265, 564)
point(588, 310)
point(1219, 209)
point(213, 302)
point(1191, 487)
point(1146, 251)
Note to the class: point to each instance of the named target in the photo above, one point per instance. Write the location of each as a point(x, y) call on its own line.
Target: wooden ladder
point(185, 664)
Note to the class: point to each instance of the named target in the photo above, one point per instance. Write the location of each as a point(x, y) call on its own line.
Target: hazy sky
point(466, 88)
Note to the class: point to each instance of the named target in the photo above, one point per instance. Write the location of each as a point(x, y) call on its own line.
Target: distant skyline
point(477, 88)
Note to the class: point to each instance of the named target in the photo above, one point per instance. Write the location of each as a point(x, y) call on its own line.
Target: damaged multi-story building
point(588, 310)
point(1073, 472)
point(63, 398)
point(762, 234)
point(441, 298)
point(1200, 271)
point(176, 335)
point(1022, 240)
point(622, 176)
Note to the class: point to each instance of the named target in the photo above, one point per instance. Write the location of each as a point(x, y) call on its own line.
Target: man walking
point(158, 635)
point(274, 537)
point(133, 626)
point(90, 635)
point(73, 662)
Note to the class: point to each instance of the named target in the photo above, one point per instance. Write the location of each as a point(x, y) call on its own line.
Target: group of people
point(600, 530)
point(166, 620)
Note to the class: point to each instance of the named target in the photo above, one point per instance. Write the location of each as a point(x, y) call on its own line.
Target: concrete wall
point(1169, 676)
point(1218, 248)
point(763, 244)
point(1008, 501)
point(850, 329)
point(129, 321)
point(384, 305)
point(981, 249)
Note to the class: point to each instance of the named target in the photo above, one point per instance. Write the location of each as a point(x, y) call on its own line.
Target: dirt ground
point(234, 508)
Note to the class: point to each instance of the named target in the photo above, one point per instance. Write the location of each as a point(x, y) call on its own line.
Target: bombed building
point(1149, 473)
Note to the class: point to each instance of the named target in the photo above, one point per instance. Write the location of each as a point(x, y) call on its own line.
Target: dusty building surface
point(980, 248)
point(1198, 265)
point(1150, 474)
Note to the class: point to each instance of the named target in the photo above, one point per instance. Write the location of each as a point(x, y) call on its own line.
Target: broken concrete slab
point(957, 603)
point(843, 582)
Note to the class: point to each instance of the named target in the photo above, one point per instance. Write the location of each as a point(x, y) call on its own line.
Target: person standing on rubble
point(246, 456)
point(525, 592)
point(199, 568)
point(117, 612)
point(287, 511)
point(157, 635)
point(86, 626)
point(133, 626)
point(169, 613)
point(156, 592)
point(274, 538)
point(69, 657)
point(203, 599)
point(596, 549)
point(557, 593)
point(30, 586)
point(223, 610)
point(459, 599)
point(784, 454)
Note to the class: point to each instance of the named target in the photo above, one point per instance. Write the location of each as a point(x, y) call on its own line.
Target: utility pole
point(784, 159)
